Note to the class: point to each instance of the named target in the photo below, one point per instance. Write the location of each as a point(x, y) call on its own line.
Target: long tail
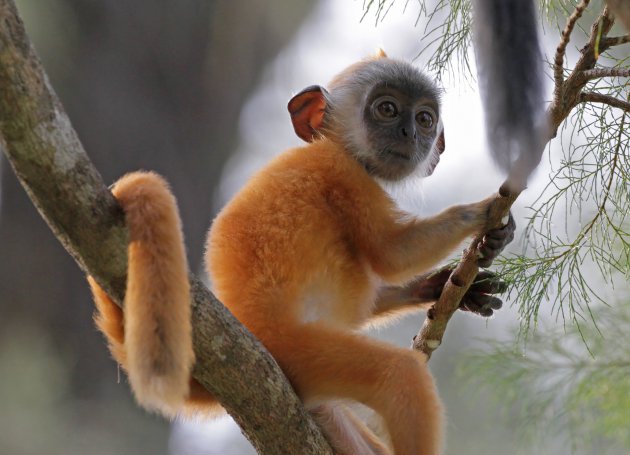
point(511, 79)
point(152, 339)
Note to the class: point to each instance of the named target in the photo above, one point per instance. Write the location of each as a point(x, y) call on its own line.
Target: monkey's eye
point(387, 110)
point(425, 119)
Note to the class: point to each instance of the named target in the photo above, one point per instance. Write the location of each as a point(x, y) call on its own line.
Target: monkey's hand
point(479, 298)
point(494, 241)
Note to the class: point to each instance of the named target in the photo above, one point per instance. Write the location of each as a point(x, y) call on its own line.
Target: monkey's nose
point(408, 132)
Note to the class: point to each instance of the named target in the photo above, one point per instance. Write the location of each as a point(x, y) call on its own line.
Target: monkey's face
point(385, 112)
point(401, 128)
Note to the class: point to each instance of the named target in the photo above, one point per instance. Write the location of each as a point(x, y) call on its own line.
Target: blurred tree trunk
point(148, 84)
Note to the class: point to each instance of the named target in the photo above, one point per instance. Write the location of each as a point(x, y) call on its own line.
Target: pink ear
point(307, 111)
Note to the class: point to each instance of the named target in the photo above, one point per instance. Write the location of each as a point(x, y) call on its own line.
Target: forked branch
point(567, 94)
point(565, 37)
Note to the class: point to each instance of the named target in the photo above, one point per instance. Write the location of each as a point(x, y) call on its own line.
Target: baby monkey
point(307, 253)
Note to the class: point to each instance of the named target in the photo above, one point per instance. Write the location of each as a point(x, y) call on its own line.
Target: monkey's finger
point(489, 245)
point(485, 261)
point(486, 276)
point(438, 278)
point(504, 232)
point(473, 308)
point(488, 301)
point(489, 249)
point(497, 234)
point(486, 256)
point(482, 304)
point(441, 275)
point(488, 283)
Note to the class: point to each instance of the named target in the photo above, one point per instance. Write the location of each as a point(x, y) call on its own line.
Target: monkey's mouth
point(392, 164)
point(397, 154)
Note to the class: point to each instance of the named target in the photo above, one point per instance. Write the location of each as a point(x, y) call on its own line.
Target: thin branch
point(48, 159)
point(616, 40)
point(567, 94)
point(592, 97)
point(432, 331)
point(597, 73)
point(602, 206)
point(564, 41)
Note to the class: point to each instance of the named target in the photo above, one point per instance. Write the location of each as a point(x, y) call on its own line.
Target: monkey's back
point(289, 236)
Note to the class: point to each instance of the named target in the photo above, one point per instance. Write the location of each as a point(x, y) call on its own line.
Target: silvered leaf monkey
point(308, 252)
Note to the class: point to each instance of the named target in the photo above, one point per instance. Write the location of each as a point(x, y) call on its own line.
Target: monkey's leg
point(345, 431)
point(324, 362)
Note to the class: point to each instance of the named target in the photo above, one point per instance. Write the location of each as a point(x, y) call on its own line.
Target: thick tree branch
point(591, 97)
point(48, 159)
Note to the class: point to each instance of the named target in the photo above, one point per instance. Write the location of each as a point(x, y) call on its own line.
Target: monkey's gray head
point(384, 111)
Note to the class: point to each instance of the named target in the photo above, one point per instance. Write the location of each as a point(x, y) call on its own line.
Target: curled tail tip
point(132, 179)
point(145, 191)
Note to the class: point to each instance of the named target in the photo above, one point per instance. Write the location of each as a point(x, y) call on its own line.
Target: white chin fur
point(406, 193)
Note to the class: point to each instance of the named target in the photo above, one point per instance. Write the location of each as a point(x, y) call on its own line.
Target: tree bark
point(49, 160)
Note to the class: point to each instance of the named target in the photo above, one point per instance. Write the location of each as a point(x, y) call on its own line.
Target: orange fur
point(298, 256)
point(110, 321)
point(153, 341)
point(380, 53)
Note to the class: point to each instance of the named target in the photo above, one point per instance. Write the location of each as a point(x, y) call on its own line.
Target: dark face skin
point(401, 127)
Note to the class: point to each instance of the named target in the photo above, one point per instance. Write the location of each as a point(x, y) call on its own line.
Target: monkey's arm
point(425, 289)
point(402, 250)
